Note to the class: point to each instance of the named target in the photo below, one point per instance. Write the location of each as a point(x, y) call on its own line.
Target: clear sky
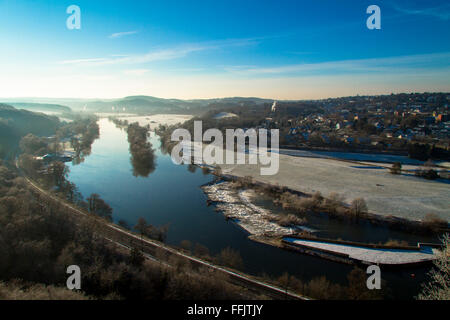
point(281, 49)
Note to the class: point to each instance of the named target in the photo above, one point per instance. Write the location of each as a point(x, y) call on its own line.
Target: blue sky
point(202, 49)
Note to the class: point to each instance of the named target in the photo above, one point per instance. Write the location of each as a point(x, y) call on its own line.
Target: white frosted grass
point(253, 219)
point(382, 256)
point(404, 196)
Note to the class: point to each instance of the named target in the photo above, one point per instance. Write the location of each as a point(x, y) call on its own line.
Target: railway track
point(149, 247)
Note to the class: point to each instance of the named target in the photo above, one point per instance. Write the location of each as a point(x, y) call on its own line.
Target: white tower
point(274, 106)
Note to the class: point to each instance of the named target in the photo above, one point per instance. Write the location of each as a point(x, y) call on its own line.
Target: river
point(171, 195)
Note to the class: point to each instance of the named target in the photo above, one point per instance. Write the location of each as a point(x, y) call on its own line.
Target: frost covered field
point(403, 196)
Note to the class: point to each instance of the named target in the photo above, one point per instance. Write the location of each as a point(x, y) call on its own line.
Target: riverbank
point(236, 206)
point(166, 254)
point(403, 196)
point(261, 225)
point(345, 252)
point(335, 207)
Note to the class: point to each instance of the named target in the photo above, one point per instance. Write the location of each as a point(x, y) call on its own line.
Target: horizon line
point(226, 97)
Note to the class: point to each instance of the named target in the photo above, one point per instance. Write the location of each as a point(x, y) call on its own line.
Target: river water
point(171, 195)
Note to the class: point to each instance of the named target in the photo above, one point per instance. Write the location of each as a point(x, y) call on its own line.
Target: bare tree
point(231, 258)
point(396, 168)
point(218, 171)
point(186, 245)
point(99, 206)
point(333, 201)
point(439, 286)
point(359, 206)
point(141, 226)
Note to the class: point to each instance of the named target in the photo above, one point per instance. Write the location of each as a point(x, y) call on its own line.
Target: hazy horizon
point(29, 99)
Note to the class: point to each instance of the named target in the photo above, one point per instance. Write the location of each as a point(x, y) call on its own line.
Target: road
point(149, 247)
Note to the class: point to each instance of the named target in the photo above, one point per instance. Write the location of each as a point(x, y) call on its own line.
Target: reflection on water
point(87, 132)
point(358, 230)
point(142, 154)
point(171, 195)
point(80, 156)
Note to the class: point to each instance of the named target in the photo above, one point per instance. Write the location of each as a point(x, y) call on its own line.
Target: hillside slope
point(14, 124)
point(40, 107)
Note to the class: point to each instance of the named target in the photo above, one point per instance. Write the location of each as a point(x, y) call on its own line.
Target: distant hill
point(148, 104)
point(40, 107)
point(137, 104)
point(16, 123)
point(237, 100)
